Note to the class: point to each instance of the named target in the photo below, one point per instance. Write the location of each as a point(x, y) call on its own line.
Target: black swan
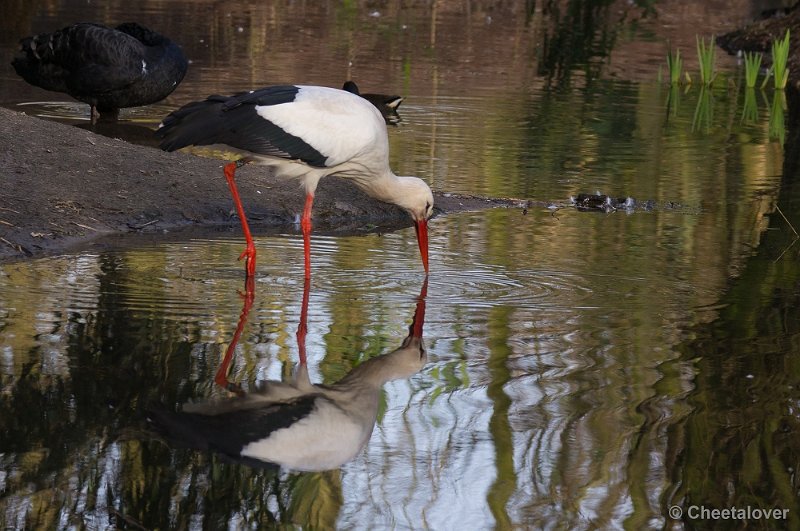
point(108, 68)
point(385, 103)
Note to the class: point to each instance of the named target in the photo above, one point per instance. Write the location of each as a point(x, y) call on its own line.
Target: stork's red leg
point(249, 253)
point(305, 224)
point(221, 377)
point(302, 329)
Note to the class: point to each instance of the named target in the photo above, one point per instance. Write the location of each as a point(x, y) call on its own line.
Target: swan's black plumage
point(385, 103)
point(108, 68)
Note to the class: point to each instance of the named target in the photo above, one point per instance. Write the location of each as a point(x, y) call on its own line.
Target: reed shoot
point(780, 57)
point(706, 53)
point(752, 65)
point(675, 67)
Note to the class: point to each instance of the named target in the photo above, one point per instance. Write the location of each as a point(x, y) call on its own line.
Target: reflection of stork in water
point(296, 424)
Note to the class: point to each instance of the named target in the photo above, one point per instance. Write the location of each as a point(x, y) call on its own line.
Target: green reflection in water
point(505, 483)
point(739, 444)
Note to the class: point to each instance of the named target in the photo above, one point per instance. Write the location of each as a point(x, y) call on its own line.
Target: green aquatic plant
point(706, 54)
point(674, 66)
point(752, 65)
point(780, 57)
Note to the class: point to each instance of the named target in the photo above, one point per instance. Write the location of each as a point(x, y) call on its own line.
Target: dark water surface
point(585, 369)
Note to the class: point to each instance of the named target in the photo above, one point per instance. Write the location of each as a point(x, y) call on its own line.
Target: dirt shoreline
point(65, 188)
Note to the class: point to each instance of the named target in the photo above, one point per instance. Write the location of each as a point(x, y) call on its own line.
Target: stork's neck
point(380, 186)
point(400, 363)
point(391, 188)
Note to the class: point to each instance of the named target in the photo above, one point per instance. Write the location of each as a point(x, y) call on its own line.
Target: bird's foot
point(235, 389)
point(249, 255)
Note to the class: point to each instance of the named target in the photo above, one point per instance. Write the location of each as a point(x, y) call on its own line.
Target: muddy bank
point(760, 34)
point(64, 187)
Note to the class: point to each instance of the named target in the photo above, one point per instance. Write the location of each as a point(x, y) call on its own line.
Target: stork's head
point(416, 198)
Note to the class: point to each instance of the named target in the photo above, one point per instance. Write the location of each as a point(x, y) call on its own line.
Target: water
point(586, 369)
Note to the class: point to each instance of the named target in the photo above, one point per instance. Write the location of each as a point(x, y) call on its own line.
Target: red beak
point(421, 225)
point(419, 313)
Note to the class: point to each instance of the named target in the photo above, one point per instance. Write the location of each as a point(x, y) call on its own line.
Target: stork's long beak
point(417, 323)
point(421, 225)
point(419, 311)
